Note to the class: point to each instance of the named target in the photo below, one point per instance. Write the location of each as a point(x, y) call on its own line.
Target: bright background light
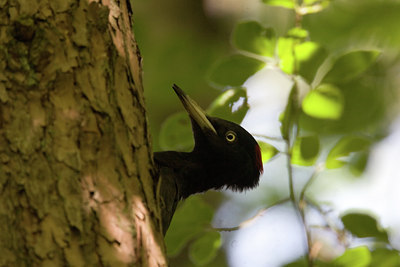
point(277, 237)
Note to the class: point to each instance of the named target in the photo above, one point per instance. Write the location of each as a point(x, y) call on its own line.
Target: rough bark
point(76, 183)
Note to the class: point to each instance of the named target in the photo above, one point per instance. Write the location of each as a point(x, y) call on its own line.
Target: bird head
point(231, 153)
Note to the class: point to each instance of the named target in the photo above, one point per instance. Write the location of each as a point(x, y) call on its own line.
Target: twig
point(290, 174)
point(249, 221)
point(317, 171)
point(298, 206)
point(300, 209)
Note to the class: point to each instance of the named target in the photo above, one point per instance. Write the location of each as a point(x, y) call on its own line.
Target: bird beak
point(194, 110)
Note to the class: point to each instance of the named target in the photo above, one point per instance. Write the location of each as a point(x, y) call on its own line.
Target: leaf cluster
point(340, 102)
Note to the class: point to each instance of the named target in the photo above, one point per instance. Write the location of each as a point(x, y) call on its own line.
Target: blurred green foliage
point(234, 70)
point(231, 105)
point(305, 150)
point(340, 52)
point(205, 248)
point(188, 222)
point(268, 151)
point(349, 144)
point(250, 36)
point(179, 44)
point(324, 102)
point(176, 133)
point(355, 257)
point(363, 225)
point(356, 23)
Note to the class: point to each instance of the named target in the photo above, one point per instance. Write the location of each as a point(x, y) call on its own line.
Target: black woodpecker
point(224, 156)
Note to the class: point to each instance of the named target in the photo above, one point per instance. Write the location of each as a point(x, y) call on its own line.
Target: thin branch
point(318, 169)
point(302, 205)
point(252, 219)
point(299, 14)
point(290, 174)
point(330, 225)
point(300, 209)
point(298, 206)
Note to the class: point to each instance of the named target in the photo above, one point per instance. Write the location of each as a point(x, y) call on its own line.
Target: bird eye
point(230, 136)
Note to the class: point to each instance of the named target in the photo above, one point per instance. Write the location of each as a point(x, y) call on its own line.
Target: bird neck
point(194, 172)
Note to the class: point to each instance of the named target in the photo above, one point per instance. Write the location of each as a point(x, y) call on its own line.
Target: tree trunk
point(76, 184)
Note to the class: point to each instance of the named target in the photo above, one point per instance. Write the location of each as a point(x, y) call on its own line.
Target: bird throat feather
point(259, 163)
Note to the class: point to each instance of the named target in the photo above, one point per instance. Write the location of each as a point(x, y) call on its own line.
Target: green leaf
point(252, 37)
point(176, 133)
point(299, 57)
point(286, 54)
point(348, 144)
point(383, 257)
point(363, 225)
point(354, 257)
point(305, 150)
point(365, 107)
point(350, 65)
point(347, 24)
point(309, 57)
point(290, 115)
point(324, 102)
point(230, 105)
point(267, 151)
point(358, 162)
point(189, 220)
point(205, 248)
point(281, 3)
point(297, 33)
point(235, 70)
